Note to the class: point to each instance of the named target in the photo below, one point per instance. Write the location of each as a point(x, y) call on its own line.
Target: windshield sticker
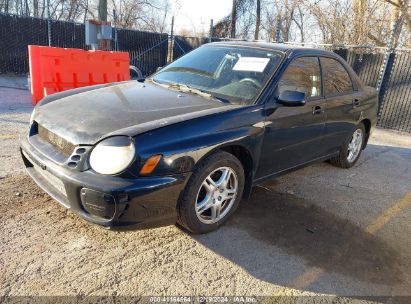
point(251, 64)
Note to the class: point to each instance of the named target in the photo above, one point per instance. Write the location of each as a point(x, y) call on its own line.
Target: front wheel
point(350, 152)
point(212, 194)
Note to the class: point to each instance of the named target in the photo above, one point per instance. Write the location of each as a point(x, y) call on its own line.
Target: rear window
point(336, 78)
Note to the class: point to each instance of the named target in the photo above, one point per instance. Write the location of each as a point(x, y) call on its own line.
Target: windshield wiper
point(187, 89)
point(220, 99)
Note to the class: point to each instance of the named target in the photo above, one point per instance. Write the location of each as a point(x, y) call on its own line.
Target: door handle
point(317, 110)
point(356, 103)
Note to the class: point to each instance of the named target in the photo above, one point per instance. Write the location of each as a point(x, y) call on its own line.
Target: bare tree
point(35, 8)
point(239, 22)
point(400, 18)
point(327, 21)
point(283, 13)
point(362, 21)
point(141, 14)
point(299, 20)
point(222, 28)
point(148, 15)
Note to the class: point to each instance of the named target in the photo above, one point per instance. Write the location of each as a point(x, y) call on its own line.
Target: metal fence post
point(387, 55)
point(115, 30)
point(171, 44)
point(383, 70)
point(48, 22)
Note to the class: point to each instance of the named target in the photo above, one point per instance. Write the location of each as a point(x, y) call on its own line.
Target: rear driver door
point(342, 103)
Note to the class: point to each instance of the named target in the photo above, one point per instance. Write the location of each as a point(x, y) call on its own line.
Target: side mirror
point(135, 73)
point(159, 68)
point(291, 98)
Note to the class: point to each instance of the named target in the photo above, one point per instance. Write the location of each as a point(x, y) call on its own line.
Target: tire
point(201, 199)
point(344, 159)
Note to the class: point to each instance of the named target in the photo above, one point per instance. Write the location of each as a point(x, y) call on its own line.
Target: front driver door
point(294, 135)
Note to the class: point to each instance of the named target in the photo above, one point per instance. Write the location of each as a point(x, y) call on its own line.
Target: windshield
point(235, 74)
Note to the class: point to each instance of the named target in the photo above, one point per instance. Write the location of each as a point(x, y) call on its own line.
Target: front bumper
point(109, 201)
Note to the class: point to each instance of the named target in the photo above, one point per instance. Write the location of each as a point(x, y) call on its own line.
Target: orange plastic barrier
point(58, 69)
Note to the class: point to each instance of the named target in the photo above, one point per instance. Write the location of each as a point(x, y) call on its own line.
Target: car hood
point(127, 108)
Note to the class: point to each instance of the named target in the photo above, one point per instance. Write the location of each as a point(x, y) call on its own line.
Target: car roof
point(285, 48)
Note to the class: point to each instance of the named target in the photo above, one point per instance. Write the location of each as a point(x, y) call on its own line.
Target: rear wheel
point(212, 194)
point(350, 152)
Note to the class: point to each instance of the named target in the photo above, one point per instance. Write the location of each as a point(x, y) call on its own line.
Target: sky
point(195, 15)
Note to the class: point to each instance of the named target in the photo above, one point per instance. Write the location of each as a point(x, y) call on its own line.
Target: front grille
point(54, 181)
point(58, 142)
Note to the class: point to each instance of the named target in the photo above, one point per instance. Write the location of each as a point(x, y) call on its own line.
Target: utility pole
point(233, 18)
point(102, 10)
point(278, 31)
point(104, 42)
point(257, 20)
point(210, 39)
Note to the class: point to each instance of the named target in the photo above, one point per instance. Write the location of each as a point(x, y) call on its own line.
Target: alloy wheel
point(355, 145)
point(216, 195)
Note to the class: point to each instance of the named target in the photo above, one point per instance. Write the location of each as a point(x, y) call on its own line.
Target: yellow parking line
point(7, 136)
point(388, 214)
point(305, 279)
point(313, 273)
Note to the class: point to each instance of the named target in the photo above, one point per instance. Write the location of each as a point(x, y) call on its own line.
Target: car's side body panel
point(343, 115)
point(186, 143)
point(293, 135)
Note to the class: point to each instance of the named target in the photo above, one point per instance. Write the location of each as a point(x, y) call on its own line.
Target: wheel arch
point(244, 156)
point(367, 125)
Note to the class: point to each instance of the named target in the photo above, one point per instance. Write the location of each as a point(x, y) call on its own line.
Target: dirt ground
point(320, 230)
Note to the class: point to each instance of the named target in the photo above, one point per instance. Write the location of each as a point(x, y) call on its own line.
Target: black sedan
point(188, 144)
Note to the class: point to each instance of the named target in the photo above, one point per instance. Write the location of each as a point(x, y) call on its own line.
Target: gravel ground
point(320, 230)
point(15, 110)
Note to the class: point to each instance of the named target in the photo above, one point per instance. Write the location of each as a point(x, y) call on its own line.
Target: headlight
point(113, 155)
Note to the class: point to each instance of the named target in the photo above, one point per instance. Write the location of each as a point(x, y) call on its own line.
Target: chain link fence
point(15, 35)
point(182, 45)
point(395, 93)
point(147, 50)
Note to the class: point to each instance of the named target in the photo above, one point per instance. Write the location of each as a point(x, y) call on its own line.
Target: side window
point(336, 78)
point(303, 75)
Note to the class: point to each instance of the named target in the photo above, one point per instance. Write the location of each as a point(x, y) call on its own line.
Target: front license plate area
point(54, 181)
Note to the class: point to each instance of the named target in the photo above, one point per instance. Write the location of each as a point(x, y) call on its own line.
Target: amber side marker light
point(150, 164)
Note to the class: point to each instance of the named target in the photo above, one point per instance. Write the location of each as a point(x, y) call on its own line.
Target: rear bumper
point(109, 201)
